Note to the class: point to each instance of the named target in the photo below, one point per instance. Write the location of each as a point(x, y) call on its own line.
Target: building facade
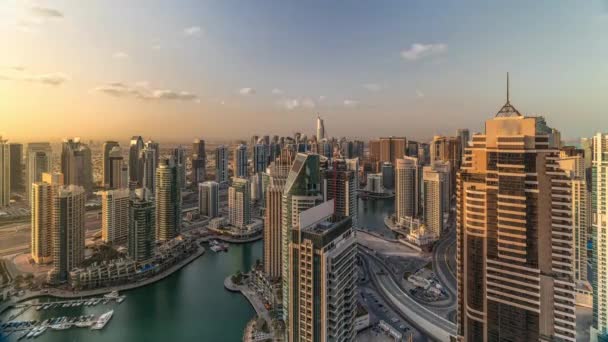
point(108, 146)
point(407, 188)
point(41, 207)
point(240, 161)
point(239, 203)
point(168, 198)
point(38, 160)
point(115, 216)
point(16, 161)
point(142, 224)
point(221, 164)
point(5, 173)
point(272, 228)
point(76, 164)
point(199, 162)
point(208, 199)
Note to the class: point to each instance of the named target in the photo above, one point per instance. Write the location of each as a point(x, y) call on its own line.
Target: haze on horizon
point(224, 69)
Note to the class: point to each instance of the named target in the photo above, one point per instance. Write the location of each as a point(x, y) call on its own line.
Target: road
point(441, 254)
point(427, 321)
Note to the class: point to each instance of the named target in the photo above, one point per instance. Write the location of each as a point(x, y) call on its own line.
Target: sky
point(224, 69)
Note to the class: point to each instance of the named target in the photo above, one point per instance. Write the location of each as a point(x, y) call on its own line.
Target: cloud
point(54, 79)
point(291, 104)
point(247, 91)
point(419, 93)
point(45, 12)
point(418, 51)
point(373, 87)
point(351, 103)
point(156, 47)
point(120, 55)
point(193, 31)
point(143, 84)
point(141, 91)
point(277, 91)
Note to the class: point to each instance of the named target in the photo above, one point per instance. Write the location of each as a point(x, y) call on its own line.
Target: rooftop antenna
point(508, 97)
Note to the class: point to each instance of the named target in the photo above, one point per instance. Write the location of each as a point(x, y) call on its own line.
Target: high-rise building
point(320, 129)
point(208, 199)
point(137, 144)
point(424, 154)
point(179, 154)
point(147, 162)
point(322, 277)
point(76, 164)
point(353, 165)
point(5, 173)
point(599, 203)
point(391, 149)
point(388, 175)
point(464, 136)
point(240, 161)
point(436, 191)
point(115, 216)
point(68, 231)
point(260, 158)
point(108, 146)
point(16, 161)
point(272, 228)
point(239, 203)
point(302, 191)
point(514, 236)
point(339, 185)
point(447, 149)
point(142, 223)
point(407, 188)
point(168, 200)
point(42, 198)
point(38, 161)
point(221, 164)
point(118, 177)
point(199, 161)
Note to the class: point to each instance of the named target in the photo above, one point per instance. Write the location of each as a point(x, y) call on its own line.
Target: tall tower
point(16, 157)
point(322, 278)
point(464, 136)
point(239, 203)
point(240, 161)
point(142, 223)
point(115, 216)
point(221, 164)
point(68, 231)
point(147, 162)
point(208, 199)
point(137, 144)
point(199, 161)
point(108, 146)
point(42, 217)
point(76, 164)
point(5, 173)
point(599, 202)
point(38, 161)
point(168, 200)
point(339, 185)
point(407, 188)
point(272, 227)
point(116, 166)
point(179, 154)
point(514, 236)
point(436, 197)
point(320, 129)
point(260, 158)
point(302, 191)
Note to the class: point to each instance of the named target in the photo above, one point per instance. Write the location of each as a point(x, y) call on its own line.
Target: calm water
point(190, 305)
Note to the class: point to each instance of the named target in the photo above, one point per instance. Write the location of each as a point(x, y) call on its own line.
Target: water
point(191, 304)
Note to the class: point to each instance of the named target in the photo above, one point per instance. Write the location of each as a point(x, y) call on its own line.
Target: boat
point(31, 333)
point(120, 299)
point(111, 295)
point(102, 320)
point(84, 324)
point(61, 326)
point(40, 331)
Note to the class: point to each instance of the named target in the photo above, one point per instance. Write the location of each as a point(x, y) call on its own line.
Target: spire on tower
point(508, 110)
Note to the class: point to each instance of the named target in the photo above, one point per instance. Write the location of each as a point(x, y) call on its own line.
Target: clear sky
point(225, 68)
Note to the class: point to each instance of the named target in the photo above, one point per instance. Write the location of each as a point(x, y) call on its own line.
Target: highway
point(441, 253)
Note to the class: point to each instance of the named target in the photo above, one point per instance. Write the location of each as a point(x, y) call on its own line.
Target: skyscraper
point(320, 129)
point(302, 191)
point(38, 161)
point(199, 161)
point(447, 149)
point(240, 161)
point(115, 216)
point(239, 203)
point(116, 170)
point(340, 186)
point(599, 203)
point(208, 199)
point(5, 173)
point(42, 217)
point(137, 144)
point(260, 158)
point(142, 223)
point(106, 164)
point(436, 197)
point(76, 164)
point(168, 200)
point(322, 278)
point(68, 231)
point(407, 188)
point(464, 137)
point(221, 164)
point(147, 162)
point(514, 236)
point(179, 154)
point(272, 227)
point(16, 175)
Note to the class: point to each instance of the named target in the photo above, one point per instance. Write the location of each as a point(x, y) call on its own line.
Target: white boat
point(102, 320)
point(31, 333)
point(120, 299)
point(83, 324)
point(61, 326)
point(111, 295)
point(40, 331)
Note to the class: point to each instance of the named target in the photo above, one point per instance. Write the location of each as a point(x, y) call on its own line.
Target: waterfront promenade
point(58, 293)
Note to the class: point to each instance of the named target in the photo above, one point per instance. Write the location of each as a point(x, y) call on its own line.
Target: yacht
point(102, 320)
point(39, 331)
point(61, 326)
point(111, 295)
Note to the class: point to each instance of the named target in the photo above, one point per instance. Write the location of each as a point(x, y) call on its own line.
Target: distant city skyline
point(226, 69)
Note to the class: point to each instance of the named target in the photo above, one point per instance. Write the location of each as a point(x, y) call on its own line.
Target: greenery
point(102, 253)
point(237, 278)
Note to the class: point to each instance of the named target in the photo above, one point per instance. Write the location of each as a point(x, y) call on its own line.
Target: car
point(403, 327)
point(394, 319)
